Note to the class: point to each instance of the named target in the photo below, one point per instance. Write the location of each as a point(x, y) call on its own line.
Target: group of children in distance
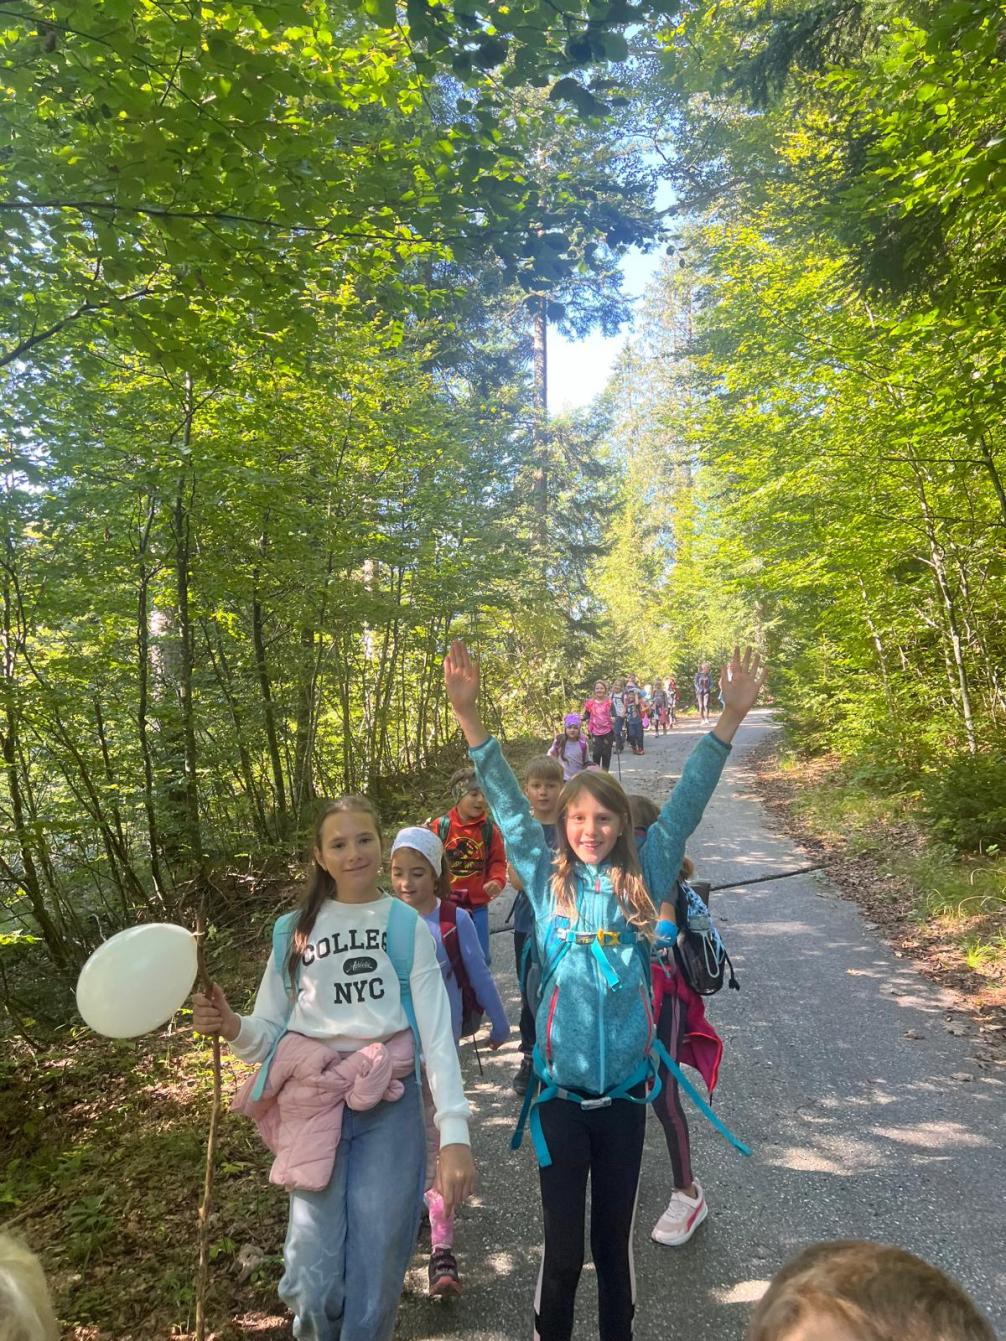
point(364, 999)
point(623, 715)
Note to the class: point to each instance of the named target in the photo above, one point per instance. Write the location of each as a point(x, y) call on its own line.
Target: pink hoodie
point(598, 714)
point(299, 1116)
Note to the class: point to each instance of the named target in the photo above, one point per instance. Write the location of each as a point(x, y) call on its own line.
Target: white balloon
point(137, 980)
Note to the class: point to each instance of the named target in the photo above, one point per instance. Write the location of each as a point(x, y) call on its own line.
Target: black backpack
point(699, 953)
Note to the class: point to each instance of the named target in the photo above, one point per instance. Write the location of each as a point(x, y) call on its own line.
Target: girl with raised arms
point(594, 921)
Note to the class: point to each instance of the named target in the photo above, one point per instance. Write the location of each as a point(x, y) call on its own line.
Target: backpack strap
point(664, 1056)
point(449, 936)
point(541, 1089)
point(401, 948)
point(282, 936)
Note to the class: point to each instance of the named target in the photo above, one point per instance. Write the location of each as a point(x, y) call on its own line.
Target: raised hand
point(741, 680)
point(461, 677)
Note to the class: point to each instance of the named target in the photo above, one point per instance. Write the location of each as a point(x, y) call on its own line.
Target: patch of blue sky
point(578, 370)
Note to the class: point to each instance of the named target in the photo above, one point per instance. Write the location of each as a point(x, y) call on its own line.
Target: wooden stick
point(203, 1274)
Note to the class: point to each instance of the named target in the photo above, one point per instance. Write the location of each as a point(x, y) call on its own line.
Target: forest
point(276, 295)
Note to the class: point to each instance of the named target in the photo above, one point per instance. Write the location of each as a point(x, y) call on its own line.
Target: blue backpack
point(401, 949)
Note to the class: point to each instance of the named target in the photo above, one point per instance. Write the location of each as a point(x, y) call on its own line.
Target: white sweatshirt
point(349, 996)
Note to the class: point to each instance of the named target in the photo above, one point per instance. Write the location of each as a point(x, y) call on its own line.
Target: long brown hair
point(320, 885)
point(626, 873)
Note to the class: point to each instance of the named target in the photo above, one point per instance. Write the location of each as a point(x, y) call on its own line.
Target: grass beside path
point(945, 910)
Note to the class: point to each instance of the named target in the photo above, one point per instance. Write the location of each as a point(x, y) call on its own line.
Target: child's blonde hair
point(626, 872)
point(872, 1291)
point(543, 768)
point(26, 1312)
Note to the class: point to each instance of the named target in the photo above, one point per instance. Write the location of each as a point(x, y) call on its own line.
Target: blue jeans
point(348, 1247)
point(480, 916)
point(619, 733)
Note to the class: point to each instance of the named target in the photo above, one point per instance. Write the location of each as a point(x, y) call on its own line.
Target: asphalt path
point(861, 1088)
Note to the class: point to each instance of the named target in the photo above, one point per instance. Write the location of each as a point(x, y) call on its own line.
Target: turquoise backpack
point(623, 994)
point(401, 949)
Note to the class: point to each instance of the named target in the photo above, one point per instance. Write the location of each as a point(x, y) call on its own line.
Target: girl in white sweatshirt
point(333, 976)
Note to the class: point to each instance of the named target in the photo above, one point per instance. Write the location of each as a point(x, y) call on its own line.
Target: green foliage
point(842, 410)
point(966, 802)
point(671, 601)
point(267, 288)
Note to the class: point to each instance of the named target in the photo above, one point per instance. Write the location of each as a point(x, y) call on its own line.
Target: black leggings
point(607, 1145)
point(667, 1105)
point(600, 749)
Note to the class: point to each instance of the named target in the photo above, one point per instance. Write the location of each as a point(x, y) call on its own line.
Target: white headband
point(424, 841)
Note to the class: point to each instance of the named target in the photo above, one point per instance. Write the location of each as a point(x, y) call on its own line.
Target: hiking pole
point(618, 763)
point(475, 1045)
point(763, 879)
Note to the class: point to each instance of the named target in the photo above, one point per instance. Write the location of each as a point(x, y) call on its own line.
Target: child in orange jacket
point(475, 851)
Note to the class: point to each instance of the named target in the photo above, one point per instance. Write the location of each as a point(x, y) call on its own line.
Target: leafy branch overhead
point(160, 159)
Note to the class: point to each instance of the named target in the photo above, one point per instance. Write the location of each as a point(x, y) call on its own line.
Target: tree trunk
point(992, 469)
point(307, 707)
point(218, 661)
point(28, 877)
point(539, 361)
point(265, 690)
point(876, 640)
point(191, 826)
point(143, 700)
point(948, 605)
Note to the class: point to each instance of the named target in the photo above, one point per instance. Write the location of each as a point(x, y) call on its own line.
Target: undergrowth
point(961, 894)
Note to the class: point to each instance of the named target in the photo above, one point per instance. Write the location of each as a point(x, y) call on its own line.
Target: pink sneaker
point(681, 1219)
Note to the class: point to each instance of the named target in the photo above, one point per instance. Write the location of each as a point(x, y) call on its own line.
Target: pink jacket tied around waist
point(299, 1115)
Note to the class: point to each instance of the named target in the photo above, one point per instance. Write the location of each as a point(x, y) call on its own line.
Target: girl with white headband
point(421, 877)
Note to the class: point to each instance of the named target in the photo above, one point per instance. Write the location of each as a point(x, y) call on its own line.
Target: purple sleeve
point(481, 979)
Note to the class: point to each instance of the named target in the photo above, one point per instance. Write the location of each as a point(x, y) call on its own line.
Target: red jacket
point(471, 865)
point(701, 1046)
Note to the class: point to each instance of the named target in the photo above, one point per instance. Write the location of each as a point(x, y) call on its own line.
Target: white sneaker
point(681, 1219)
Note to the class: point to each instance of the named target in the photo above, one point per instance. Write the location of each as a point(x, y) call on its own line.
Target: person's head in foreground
point(856, 1291)
point(25, 1308)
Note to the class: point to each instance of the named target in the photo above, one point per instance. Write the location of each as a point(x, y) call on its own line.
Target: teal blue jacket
point(594, 1021)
